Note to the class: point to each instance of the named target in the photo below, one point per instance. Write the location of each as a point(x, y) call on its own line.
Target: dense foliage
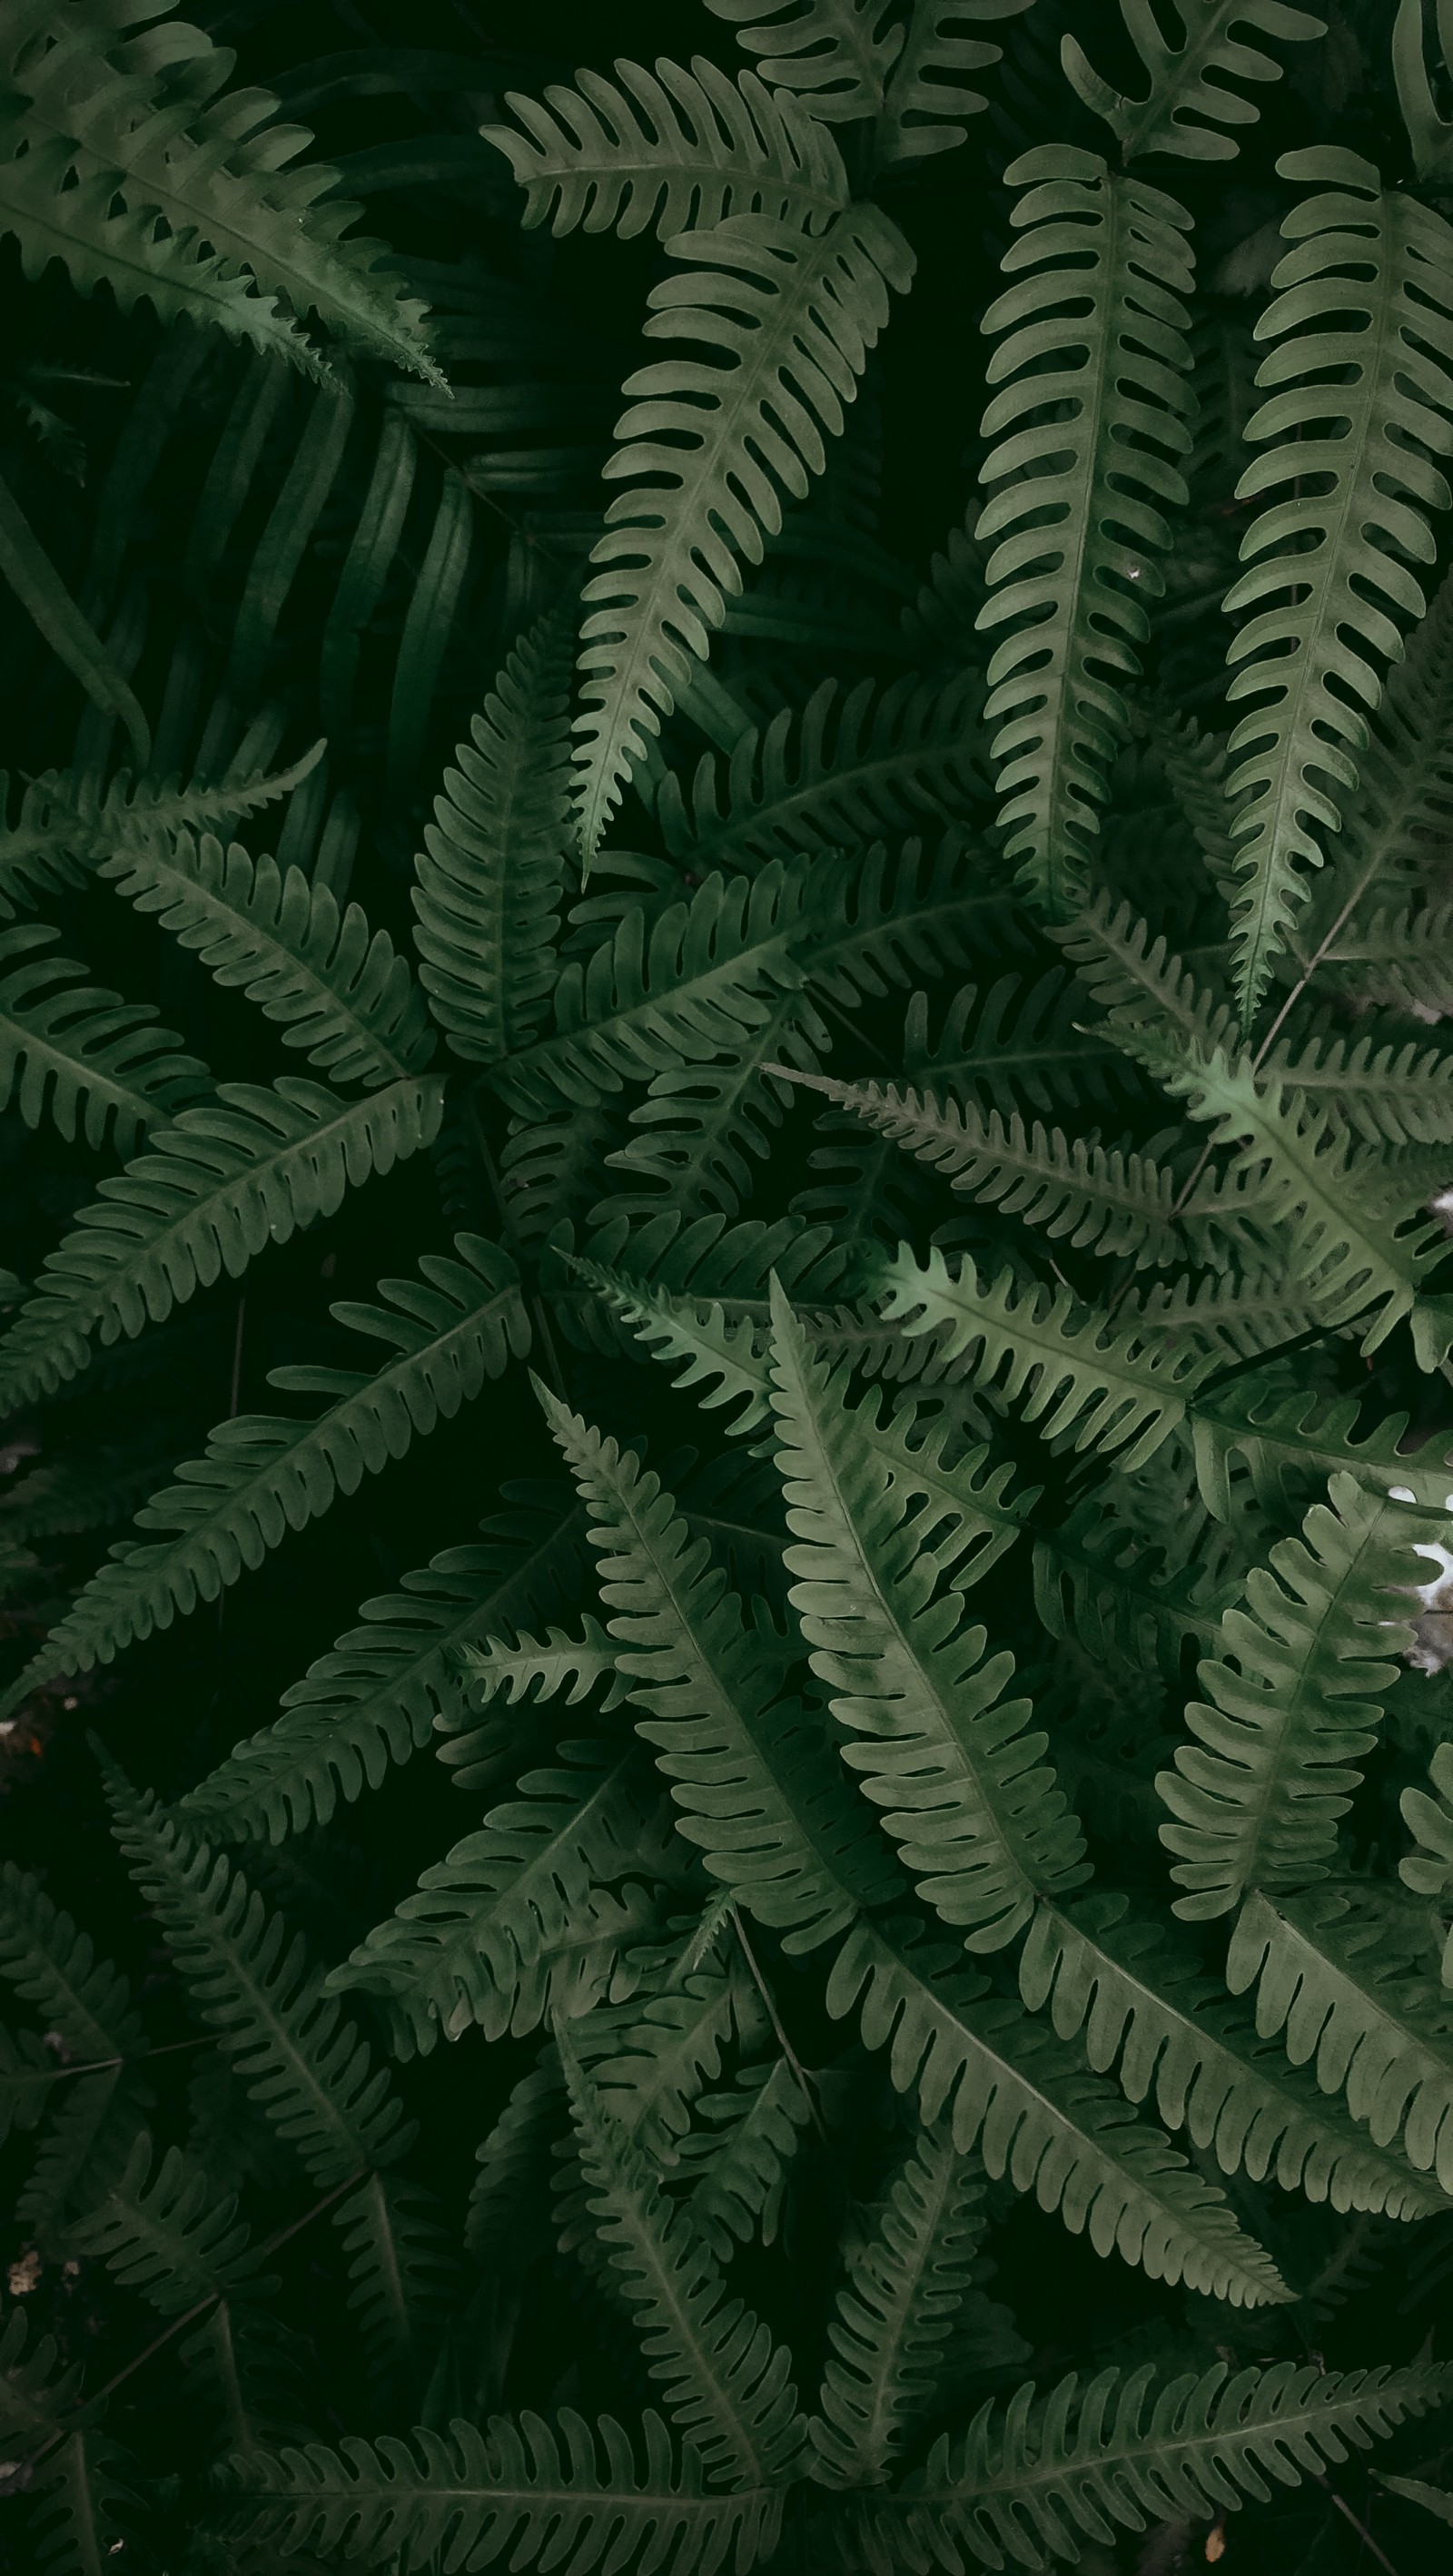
point(727, 1355)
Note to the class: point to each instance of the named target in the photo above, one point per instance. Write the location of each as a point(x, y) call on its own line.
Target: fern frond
point(557, 1666)
point(698, 982)
point(35, 2394)
point(264, 1474)
point(1128, 1599)
point(523, 2487)
point(753, 1777)
point(1024, 2100)
point(1350, 1229)
point(649, 2064)
point(1335, 1982)
point(103, 121)
point(54, 1966)
point(1081, 478)
point(166, 2234)
point(1110, 1388)
point(215, 1187)
point(669, 148)
point(1290, 1443)
point(1387, 1095)
point(904, 2284)
point(1429, 1869)
point(724, 2379)
point(1294, 1695)
point(302, 2060)
point(794, 316)
point(1430, 133)
point(927, 89)
point(848, 766)
point(1103, 1199)
point(85, 2505)
point(488, 882)
point(699, 1129)
point(1095, 2456)
point(1014, 1048)
point(1398, 956)
point(1138, 980)
point(741, 2162)
point(80, 1055)
point(379, 1693)
point(1145, 2010)
point(968, 1799)
point(1366, 293)
point(401, 2277)
point(1195, 91)
point(455, 1951)
point(833, 54)
point(331, 984)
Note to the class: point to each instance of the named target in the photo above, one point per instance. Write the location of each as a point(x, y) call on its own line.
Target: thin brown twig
point(1360, 2527)
point(775, 2018)
point(102, 2065)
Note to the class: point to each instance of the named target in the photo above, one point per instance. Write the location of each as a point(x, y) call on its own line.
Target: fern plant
point(725, 1336)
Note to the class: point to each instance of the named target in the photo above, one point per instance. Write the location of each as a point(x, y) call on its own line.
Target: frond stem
point(784, 2043)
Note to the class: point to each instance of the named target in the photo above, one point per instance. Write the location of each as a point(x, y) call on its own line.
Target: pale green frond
point(701, 1127)
point(53, 1966)
point(302, 2059)
point(72, 1051)
point(1350, 1230)
point(1289, 1443)
point(835, 55)
point(315, 968)
point(168, 2235)
point(1026, 2102)
point(1429, 1869)
point(1434, 2500)
point(1387, 1095)
point(1137, 979)
point(1014, 1047)
point(669, 148)
point(214, 1188)
point(1090, 421)
point(68, 820)
point(524, 2486)
point(1359, 387)
point(1099, 1198)
point(1430, 133)
point(556, 1666)
point(1295, 1703)
point(1138, 1999)
point(1397, 956)
point(741, 2162)
point(649, 2063)
point(967, 1797)
point(265, 1474)
point(457, 1950)
point(754, 1777)
point(905, 2281)
point(1117, 2451)
point(401, 2276)
point(930, 85)
point(726, 2383)
point(489, 880)
point(85, 2506)
point(378, 1695)
point(101, 119)
point(1076, 1371)
point(1130, 1600)
point(1195, 92)
point(834, 775)
point(1336, 1982)
point(794, 316)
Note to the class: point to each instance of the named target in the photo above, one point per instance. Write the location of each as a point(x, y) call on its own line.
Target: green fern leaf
point(1013, 1048)
point(927, 89)
point(670, 148)
point(1429, 132)
point(833, 54)
point(489, 881)
point(753, 1777)
point(1397, 956)
point(1090, 2458)
point(457, 1951)
point(1104, 1200)
point(557, 1666)
point(1434, 2500)
point(1138, 981)
point(1387, 1095)
point(215, 1187)
point(724, 2379)
point(1146, 2011)
point(168, 2236)
point(1365, 290)
point(1430, 1821)
point(35, 2394)
point(1108, 1387)
point(1186, 109)
point(904, 2284)
point(54, 1966)
point(101, 113)
point(302, 2060)
point(333, 986)
point(1294, 1693)
point(377, 1696)
point(264, 1474)
point(1127, 1599)
point(520, 2487)
point(401, 2278)
point(849, 766)
point(968, 1798)
point(1092, 486)
point(740, 2164)
point(795, 316)
point(1335, 1980)
point(1290, 1443)
point(1026, 2102)
point(69, 820)
point(81, 1055)
point(85, 2506)
point(648, 2065)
